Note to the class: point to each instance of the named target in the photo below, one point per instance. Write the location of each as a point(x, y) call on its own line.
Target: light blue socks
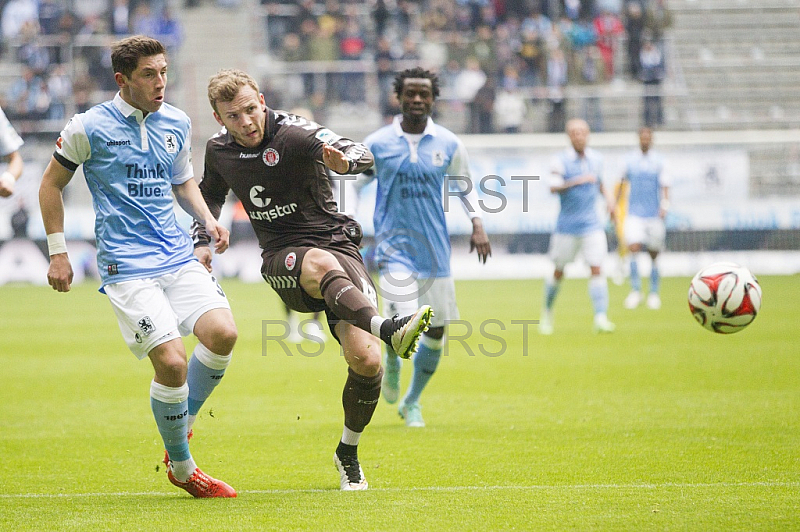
point(426, 360)
point(205, 371)
point(171, 411)
point(598, 291)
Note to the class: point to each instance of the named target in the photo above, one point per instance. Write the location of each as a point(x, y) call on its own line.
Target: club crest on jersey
point(270, 157)
point(291, 260)
point(171, 143)
point(437, 158)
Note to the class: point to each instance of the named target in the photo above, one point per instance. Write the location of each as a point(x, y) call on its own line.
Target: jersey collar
point(429, 127)
point(127, 109)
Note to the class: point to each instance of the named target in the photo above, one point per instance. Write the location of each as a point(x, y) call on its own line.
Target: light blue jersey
point(578, 214)
point(131, 164)
point(645, 174)
point(412, 171)
point(10, 141)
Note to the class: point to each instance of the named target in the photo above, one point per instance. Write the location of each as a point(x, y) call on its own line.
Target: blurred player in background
point(577, 178)
point(648, 203)
point(276, 163)
point(136, 153)
point(415, 162)
point(10, 143)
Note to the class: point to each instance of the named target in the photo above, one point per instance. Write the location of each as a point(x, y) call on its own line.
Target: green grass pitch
point(660, 426)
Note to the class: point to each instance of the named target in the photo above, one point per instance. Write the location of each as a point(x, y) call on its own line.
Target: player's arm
point(213, 190)
point(51, 203)
point(191, 200)
point(341, 154)
point(609, 199)
point(559, 184)
point(459, 166)
point(663, 204)
point(9, 177)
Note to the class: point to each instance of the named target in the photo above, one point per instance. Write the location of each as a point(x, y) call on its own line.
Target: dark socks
point(359, 398)
point(347, 301)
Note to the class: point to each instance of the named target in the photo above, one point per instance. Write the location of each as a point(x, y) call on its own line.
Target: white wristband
point(56, 243)
point(664, 204)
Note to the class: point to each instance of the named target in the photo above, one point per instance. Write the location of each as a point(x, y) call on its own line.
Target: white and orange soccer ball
point(724, 297)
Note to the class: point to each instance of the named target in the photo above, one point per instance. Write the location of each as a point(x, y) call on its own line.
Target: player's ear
point(217, 118)
point(120, 78)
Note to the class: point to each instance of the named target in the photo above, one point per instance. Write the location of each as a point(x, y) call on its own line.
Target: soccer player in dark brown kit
point(275, 162)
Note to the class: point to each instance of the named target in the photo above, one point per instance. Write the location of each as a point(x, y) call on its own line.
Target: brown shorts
point(282, 270)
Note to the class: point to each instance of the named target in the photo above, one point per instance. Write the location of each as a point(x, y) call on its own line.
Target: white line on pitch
point(429, 488)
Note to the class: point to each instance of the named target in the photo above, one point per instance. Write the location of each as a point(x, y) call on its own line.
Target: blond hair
point(225, 84)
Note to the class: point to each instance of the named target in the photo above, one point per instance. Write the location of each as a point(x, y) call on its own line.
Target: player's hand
point(335, 159)
point(480, 241)
point(589, 178)
point(7, 183)
point(220, 234)
point(59, 274)
point(203, 254)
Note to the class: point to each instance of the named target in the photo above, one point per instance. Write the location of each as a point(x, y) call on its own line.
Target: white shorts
point(564, 248)
point(403, 293)
point(156, 310)
point(651, 233)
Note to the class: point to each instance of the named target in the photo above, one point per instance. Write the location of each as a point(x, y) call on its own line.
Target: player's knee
point(224, 339)
point(171, 370)
point(366, 366)
point(318, 262)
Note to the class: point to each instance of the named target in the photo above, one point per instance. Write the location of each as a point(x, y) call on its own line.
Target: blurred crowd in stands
point(60, 55)
point(491, 55)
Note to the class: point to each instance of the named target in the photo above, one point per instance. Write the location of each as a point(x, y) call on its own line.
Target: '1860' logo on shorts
point(146, 326)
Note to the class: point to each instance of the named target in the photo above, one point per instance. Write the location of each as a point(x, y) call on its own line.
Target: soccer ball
point(724, 297)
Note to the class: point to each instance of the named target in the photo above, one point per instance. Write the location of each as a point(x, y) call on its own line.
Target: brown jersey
point(283, 184)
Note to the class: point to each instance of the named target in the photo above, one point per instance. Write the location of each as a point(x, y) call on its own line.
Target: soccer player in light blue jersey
point(416, 161)
point(577, 178)
point(648, 202)
point(10, 143)
point(136, 154)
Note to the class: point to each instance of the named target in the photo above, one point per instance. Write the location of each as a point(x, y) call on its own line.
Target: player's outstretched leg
point(402, 334)
point(351, 305)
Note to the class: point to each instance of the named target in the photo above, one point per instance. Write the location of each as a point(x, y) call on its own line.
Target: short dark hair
point(416, 73)
point(125, 54)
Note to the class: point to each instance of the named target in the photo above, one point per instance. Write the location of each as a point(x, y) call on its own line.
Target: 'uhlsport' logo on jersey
point(270, 157)
point(118, 143)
